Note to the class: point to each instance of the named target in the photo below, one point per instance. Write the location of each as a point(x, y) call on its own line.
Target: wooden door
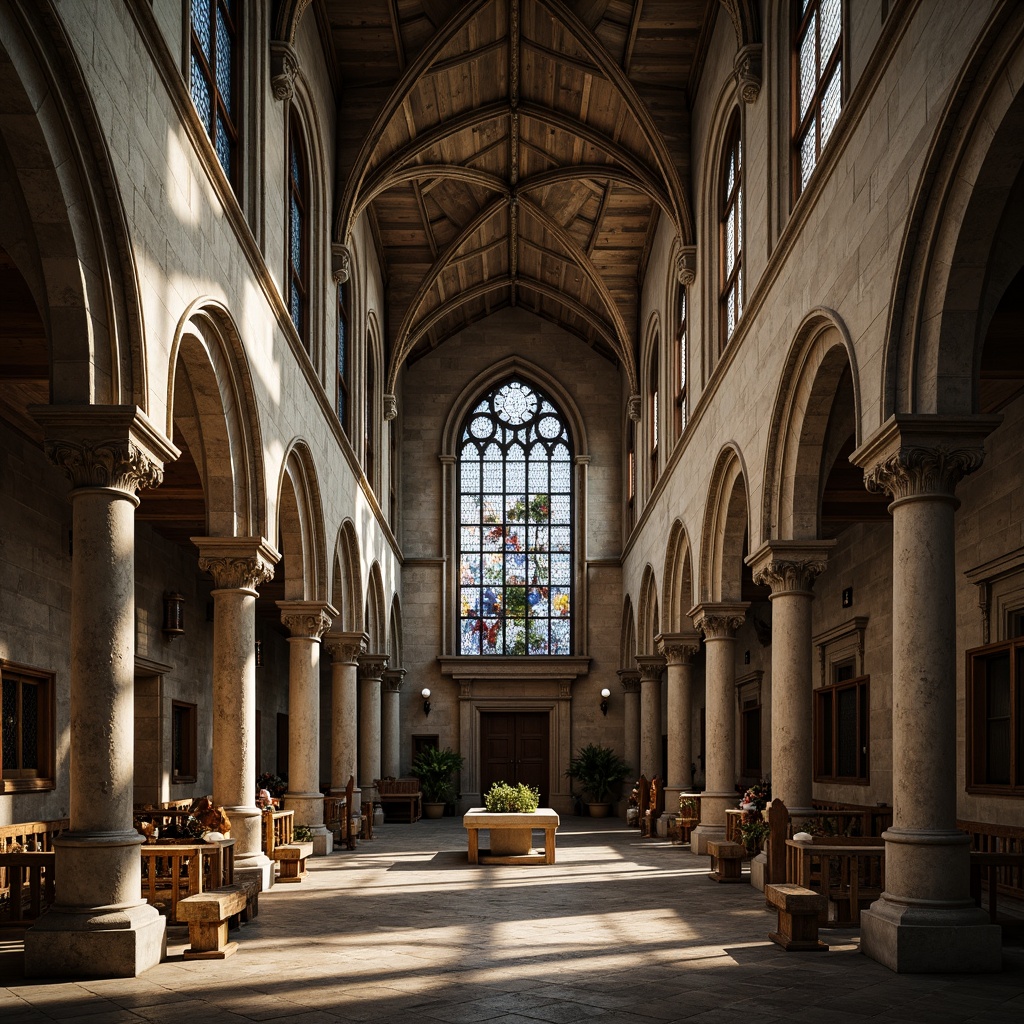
point(514, 748)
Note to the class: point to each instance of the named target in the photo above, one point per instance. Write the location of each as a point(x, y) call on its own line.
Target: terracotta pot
point(599, 810)
point(432, 810)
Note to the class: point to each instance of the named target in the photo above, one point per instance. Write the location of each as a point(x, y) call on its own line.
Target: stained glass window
point(818, 89)
point(731, 221)
point(297, 232)
point(681, 365)
point(515, 525)
point(342, 358)
point(214, 77)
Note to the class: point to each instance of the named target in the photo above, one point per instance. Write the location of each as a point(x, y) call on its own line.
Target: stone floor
point(618, 930)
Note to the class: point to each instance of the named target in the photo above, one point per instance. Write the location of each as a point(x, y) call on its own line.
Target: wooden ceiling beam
point(634, 25)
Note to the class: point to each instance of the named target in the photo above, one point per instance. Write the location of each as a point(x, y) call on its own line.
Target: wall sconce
point(425, 694)
point(605, 694)
point(174, 615)
point(259, 654)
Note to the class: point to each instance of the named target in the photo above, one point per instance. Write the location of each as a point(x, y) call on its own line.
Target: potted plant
point(598, 769)
point(512, 798)
point(435, 768)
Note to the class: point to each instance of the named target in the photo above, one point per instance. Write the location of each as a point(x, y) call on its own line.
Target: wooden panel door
point(514, 748)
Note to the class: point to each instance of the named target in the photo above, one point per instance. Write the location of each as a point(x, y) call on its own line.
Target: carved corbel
point(390, 407)
point(284, 66)
point(686, 264)
point(633, 408)
point(748, 71)
point(341, 262)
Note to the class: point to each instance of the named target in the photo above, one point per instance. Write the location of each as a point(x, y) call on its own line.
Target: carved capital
point(748, 71)
point(686, 264)
point(630, 680)
point(390, 407)
point(650, 667)
point(678, 648)
point(346, 647)
point(341, 263)
point(785, 576)
point(718, 621)
point(307, 619)
point(633, 408)
point(392, 680)
point(284, 66)
point(237, 563)
point(372, 666)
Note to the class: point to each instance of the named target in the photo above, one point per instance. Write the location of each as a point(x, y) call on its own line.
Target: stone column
point(651, 667)
point(344, 649)
point(790, 569)
point(631, 719)
point(925, 920)
point(371, 668)
point(238, 566)
point(718, 623)
point(307, 621)
point(390, 726)
point(99, 924)
point(678, 650)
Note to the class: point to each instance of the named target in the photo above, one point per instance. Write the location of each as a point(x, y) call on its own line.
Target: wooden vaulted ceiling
point(515, 153)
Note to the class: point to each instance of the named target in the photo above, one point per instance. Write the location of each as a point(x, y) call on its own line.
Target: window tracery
point(213, 77)
point(817, 89)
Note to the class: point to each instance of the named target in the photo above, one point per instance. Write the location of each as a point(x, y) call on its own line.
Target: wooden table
point(859, 875)
point(496, 823)
point(37, 868)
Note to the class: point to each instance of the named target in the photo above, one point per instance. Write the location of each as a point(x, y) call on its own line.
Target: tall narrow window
point(818, 82)
point(631, 477)
point(183, 742)
point(298, 245)
point(342, 359)
point(368, 421)
point(680, 413)
point(841, 727)
point(652, 378)
point(731, 225)
point(214, 77)
point(995, 718)
point(515, 525)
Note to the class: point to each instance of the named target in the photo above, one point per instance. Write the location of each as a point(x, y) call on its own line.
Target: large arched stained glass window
point(515, 532)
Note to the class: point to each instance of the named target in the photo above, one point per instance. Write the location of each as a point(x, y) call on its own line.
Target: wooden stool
point(798, 917)
point(726, 861)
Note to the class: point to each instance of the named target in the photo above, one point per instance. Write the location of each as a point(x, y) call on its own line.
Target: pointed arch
point(375, 616)
point(677, 587)
point(648, 624)
point(725, 529)
point(396, 638)
point(300, 526)
point(627, 639)
point(347, 588)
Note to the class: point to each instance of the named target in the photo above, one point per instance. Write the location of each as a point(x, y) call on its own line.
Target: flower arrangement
point(512, 798)
point(754, 830)
point(757, 797)
point(274, 784)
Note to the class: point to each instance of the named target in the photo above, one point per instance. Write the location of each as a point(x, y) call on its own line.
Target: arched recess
point(395, 636)
point(627, 640)
point(820, 370)
point(376, 611)
point(54, 160)
point(218, 418)
point(724, 534)
point(347, 589)
point(648, 626)
point(301, 527)
point(948, 284)
point(677, 588)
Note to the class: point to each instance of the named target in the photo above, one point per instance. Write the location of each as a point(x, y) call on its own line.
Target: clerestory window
point(515, 525)
point(818, 84)
point(298, 245)
point(214, 78)
point(731, 233)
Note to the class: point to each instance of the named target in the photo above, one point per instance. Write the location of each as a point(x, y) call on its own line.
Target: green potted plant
point(598, 769)
point(435, 768)
point(512, 798)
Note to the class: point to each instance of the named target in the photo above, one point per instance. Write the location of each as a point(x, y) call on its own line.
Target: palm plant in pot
point(598, 769)
point(435, 767)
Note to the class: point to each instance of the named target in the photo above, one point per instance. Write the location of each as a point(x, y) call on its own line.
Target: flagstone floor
point(404, 931)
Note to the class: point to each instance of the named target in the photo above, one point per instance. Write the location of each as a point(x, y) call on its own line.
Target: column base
point(700, 836)
point(257, 864)
point(95, 943)
point(930, 940)
point(323, 841)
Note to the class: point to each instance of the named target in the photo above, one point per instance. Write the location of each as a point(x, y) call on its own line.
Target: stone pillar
point(651, 667)
point(678, 650)
point(390, 725)
point(631, 719)
point(371, 668)
point(925, 920)
point(790, 568)
point(238, 566)
point(307, 621)
point(718, 623)
point(99, 924)
point(344, 649)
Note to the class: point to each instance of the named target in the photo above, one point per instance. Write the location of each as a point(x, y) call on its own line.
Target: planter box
point(511, 836)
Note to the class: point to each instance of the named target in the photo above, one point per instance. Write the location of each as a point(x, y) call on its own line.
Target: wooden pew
point(849, 871)
point(655, 809)
point(400, 793)
point(643, 802)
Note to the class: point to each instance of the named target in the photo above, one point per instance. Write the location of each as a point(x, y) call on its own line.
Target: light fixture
point(174, 615)
point(425, 694)
point(605, 694)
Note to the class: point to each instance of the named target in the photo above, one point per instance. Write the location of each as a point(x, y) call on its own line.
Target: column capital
point(790, 566)
point(346, 647)
point(630, 680)
point(719, 620)
point(678, 648)
point(112, 446)
point(392, 679)
point(307, 619)
point(923, 456)
point(237, 563)
point(650, 667)
point(341, 262)
point(686, 264)
point(372, 665)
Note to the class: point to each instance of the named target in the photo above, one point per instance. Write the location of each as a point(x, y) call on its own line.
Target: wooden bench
point(655, 809)
point(208, 915)
point(400, 793)
point(799, 910)
point(279, 846)
point(726, 861)
point(848, 871)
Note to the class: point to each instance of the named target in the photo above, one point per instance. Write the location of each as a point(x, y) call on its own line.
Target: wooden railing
point(278, 827)
point(997, 858)
point(844, 819)
point(27, 868)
